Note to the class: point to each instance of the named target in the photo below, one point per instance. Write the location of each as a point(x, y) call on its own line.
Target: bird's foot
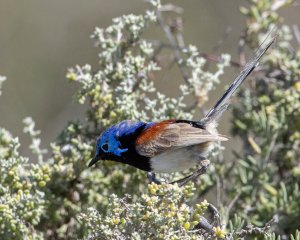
point(152, 178)
point(207, 226)
point(215, 215)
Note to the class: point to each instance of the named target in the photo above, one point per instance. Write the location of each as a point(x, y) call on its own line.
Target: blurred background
point(40, 40)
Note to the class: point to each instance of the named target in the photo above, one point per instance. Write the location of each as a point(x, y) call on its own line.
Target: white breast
point(179, 159)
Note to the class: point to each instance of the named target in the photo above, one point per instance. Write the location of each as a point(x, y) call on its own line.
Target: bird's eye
point(105, 147)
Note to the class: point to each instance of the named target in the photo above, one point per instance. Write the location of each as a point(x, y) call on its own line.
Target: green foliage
point(22, 195)
point(268, 123)
point(59, 198)
point(163, 211)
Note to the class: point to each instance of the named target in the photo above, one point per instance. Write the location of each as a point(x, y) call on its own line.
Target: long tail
point(215, 112)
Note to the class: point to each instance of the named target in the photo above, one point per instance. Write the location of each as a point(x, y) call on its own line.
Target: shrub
point(258, 191)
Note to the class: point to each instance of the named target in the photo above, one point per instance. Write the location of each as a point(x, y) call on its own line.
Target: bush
point(258, 191)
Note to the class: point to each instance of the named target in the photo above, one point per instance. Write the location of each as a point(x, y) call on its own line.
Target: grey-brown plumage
point(175, 145)
point(176, 135)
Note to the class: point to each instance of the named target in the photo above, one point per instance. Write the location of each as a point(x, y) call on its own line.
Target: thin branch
point(221, 41)
point(271, 147)
point(204, 224)
point(251, 230)
point(216, 58)
point(207, 56)
point(171, 8)
point(241, 50)
point(233, 201)
point(173, 44)
point(296, 33)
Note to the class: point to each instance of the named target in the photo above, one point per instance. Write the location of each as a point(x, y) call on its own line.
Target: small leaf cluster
point(162, 213)
point(21, 191)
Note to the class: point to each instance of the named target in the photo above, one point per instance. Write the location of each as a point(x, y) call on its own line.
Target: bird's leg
point(204, 224)
point(204, 165)
point(200, 171)
point(152, 178)
point(215, 215)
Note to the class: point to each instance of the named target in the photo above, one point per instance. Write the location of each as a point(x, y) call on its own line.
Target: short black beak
point(95, 159)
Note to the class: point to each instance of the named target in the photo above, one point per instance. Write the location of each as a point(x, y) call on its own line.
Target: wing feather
point(166, 136)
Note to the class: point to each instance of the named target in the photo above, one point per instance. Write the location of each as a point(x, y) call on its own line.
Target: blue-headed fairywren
point(170, 145)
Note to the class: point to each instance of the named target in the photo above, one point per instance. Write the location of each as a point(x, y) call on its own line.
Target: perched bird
point(170, 145)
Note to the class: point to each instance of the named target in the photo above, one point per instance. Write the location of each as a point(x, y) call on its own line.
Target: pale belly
point(180, 159)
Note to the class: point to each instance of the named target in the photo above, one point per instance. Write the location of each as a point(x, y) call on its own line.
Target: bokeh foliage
point(59, 198)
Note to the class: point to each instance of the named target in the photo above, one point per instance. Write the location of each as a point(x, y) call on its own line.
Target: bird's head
point(114, 141)
point(108, 146)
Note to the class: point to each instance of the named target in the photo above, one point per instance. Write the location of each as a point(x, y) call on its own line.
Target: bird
point(171, 145)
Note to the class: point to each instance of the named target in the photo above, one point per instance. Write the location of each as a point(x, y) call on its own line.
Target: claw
point(152, 178)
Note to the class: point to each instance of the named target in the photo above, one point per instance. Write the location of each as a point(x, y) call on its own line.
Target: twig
point(206, 190)
point(296, 33)
point(207, 56)
point(171, 8)
point(271, 147)
point(251, 230)
point(173, 44)
point(204, 224)
point(216, 58)
point(218, 189)
point(217, 47)
point(241, 50)
point(221, 41)
point(296, 3)
point(233, 201)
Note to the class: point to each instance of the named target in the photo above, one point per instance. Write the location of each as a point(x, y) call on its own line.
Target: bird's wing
point(168, 135)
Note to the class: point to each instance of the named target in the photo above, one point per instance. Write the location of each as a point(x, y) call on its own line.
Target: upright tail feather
point(215, 112)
